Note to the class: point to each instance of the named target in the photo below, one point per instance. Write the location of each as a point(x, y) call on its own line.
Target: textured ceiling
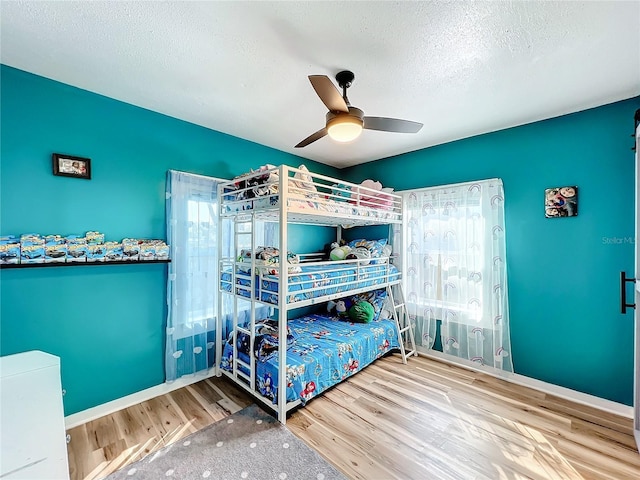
point(461, 68)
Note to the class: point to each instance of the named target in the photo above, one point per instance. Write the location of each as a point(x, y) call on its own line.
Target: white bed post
point(252, 322)
point(219, 345)
point(282, 296)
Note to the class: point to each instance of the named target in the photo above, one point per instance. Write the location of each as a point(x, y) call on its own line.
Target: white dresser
point(32, 432)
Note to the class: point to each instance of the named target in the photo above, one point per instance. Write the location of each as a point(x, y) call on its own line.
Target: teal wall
point(566, 326)
point(107, 322)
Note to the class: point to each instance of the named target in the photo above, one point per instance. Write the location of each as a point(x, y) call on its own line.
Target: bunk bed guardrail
point(309, 193)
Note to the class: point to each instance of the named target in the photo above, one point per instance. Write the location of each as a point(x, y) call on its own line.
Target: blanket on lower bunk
point(322, 351)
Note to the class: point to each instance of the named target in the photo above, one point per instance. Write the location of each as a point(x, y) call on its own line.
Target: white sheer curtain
point(454, 267)
point(192, 287)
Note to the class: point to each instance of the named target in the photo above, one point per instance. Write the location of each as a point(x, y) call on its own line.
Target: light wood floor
point(425, 420)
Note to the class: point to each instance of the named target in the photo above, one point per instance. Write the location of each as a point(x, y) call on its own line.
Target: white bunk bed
point(250, 354)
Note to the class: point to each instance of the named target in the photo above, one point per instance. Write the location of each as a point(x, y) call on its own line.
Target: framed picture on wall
point(561, 202)
point(70, 166)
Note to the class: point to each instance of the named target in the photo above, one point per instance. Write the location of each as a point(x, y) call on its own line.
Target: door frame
point(636, 290)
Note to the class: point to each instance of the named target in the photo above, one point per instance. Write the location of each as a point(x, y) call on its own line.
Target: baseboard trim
point(562, 392)
point(108, 408)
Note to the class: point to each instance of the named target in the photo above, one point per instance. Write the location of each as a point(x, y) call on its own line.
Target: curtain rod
point(201, 176)
point(449, 185)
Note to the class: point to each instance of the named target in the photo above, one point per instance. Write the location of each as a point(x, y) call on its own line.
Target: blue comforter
point(342, 278)
point(321, 352)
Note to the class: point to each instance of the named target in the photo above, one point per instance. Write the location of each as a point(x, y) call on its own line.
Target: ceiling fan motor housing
point(355, 115)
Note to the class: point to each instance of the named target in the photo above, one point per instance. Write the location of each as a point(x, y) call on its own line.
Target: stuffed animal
point(340, 253)
point(360, 253)
point(340, 307)
point(361, 312)
point(338, 250)
point(342, 192)
point(367, 196)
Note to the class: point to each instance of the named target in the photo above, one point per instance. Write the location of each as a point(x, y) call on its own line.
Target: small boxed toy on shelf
point(113, 251)
point(31, 248)
point(96, 253)
point(96, 250)
point(9, 250)
point(130, 249)
point(162, 251)
point(55, 249)
point(94, 238)
point(154, 250)
point(77, 249)
point(147, 251)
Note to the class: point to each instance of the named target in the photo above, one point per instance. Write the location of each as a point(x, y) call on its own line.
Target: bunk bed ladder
point(403, 323)
point(245, 228)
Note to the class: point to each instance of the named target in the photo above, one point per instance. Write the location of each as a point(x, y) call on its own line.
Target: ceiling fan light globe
point(344, 128)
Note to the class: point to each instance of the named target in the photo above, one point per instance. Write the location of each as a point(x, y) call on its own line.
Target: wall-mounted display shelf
point(81, 264)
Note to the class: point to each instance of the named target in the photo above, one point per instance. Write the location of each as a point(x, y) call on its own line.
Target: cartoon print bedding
point(321, 352)
point(323, 279)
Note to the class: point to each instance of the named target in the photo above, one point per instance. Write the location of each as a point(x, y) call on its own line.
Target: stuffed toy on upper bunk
point(345, 252)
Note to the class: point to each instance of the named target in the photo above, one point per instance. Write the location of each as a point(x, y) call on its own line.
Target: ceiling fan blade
point(391, 125)
point(328, 93)
point(312, 138)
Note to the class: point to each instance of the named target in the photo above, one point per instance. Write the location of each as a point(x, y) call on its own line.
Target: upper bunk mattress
point(316, 207)
point(314, 281)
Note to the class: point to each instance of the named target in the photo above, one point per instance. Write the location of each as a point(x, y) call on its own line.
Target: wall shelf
point(80, 264)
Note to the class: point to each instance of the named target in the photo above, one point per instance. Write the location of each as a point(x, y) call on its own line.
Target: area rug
point(249, 444)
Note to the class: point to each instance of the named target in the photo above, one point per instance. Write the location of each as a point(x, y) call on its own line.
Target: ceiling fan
point(344, 122)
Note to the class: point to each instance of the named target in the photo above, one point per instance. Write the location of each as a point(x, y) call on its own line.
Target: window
point(193, 273)
point(201, 252)
point(455, 269)
point(193, 282)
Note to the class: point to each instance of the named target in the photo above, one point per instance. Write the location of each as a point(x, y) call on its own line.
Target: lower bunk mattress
point(321, 352)
point(314, 281)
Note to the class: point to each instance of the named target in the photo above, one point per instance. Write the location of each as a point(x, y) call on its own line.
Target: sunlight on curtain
point(455, 270)
point(192, 287)
point(192, 283)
